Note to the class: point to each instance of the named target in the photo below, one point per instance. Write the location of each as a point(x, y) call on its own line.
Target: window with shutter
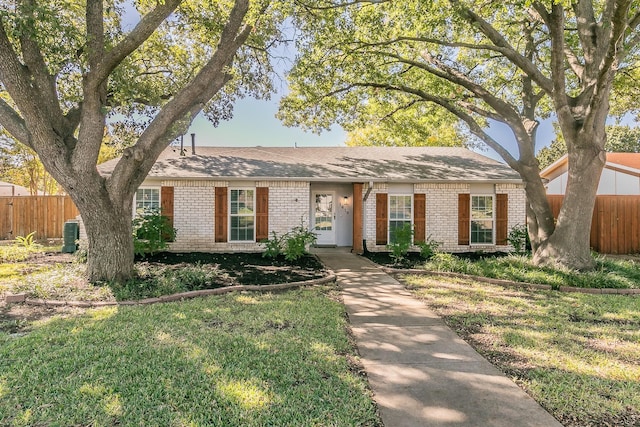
point(381, 219)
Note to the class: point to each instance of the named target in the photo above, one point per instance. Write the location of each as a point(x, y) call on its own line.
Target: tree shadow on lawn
point(228, 360)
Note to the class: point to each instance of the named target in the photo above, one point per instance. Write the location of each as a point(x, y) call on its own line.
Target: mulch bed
point(246, 268)
point(236, 269)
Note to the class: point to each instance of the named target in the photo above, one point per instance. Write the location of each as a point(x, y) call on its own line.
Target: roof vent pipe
point(193, 144)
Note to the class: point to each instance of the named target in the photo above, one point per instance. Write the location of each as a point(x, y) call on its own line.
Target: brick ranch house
point(230, 199)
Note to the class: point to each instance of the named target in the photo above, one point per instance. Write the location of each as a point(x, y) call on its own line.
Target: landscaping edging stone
point(503, 282)
point(22, 298)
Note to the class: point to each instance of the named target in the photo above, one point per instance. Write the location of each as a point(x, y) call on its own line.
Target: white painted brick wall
point(369, 208)
point(442, 214)
point(517, 208)
point(194, 213)
point(288, 205)
point(193, 210)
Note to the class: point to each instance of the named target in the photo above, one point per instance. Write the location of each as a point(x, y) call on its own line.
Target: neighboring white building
point(8, 189)
point(620, 176)
point(230, 199)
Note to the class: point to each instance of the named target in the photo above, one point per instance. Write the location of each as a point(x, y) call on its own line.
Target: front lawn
point(60, 277)
point(608, 273)
point(578, 355)
point(240, 359)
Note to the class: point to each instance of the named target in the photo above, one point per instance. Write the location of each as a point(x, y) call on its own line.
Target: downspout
point(364, 216)
point(366, 196)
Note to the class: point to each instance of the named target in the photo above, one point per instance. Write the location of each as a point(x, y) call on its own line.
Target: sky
point(254, 123)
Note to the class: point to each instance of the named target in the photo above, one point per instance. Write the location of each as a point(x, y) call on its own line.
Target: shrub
point(400, 242)
point(293, 244)
point(296, 242)
point(151, 232)
point(26, 241)
point(272, 246)
point(428, 248)
point(443, 261)
point(519, 238)
point(80, 255)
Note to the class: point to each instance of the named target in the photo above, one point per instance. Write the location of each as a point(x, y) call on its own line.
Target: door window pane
point(323, 218)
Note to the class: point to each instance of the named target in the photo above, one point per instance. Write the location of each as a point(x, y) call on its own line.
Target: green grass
point(608, 273)
point(17, 253)
point(239, 359)
point(576, 354)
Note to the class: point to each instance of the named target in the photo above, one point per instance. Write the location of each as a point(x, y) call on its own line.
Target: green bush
point(26, 241)
point(428, 248)
point(272, 246)
point(293, 245)
point(400, 242)
point(443, 261)
point(519, 238)
point(151, 232)
point(297, 241)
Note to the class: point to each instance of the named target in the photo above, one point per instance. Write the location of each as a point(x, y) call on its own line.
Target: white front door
point(324, 217)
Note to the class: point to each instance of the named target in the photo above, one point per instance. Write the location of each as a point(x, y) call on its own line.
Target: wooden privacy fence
point(45, 215)
point(615, 227)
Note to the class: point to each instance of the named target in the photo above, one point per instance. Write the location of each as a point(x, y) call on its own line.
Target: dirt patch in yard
point(245, 268)
point(54, 276)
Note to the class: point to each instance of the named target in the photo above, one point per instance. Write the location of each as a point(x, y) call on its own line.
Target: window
point(147, 199)
point(241, 215)
point(482, 219)
point(399, 214)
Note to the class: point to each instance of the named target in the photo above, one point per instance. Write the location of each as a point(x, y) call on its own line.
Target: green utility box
point(70, 234)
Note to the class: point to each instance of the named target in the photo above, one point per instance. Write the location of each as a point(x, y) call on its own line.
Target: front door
point(324, 218)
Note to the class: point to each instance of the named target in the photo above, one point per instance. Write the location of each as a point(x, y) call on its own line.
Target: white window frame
point(389, 196)
point(493, 220)
point(230, 215)
point(135, 199)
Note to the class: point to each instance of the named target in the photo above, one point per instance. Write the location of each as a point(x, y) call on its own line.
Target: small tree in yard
point(69, 70)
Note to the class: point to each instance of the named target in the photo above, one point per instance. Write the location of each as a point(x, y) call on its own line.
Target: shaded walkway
point(421, 372)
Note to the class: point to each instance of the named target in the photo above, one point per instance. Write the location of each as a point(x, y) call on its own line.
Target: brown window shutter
point(382, 222)
point(419, 218)
point(464, 218)
point(502, 216)
point(262, 213)
point(221, 214)
point(166, 203)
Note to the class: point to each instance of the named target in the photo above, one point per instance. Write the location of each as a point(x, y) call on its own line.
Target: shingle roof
point(329, 163)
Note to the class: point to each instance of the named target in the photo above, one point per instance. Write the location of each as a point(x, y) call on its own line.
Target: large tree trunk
point(569, 244)
point(109, 232)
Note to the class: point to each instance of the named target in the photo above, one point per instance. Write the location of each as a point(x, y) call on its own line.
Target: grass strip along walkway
point(577, 354)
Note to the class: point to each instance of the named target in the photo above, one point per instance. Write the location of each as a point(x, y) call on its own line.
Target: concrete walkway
point(421, 372)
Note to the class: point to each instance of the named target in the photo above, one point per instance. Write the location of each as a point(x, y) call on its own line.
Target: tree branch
point(587, 26)
point(509, 51)
point(14, 124)
point(473, 125)
point(176, 115)
point(33, 59)
point(142, 31)
point(556, 32)
point(340, 5)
